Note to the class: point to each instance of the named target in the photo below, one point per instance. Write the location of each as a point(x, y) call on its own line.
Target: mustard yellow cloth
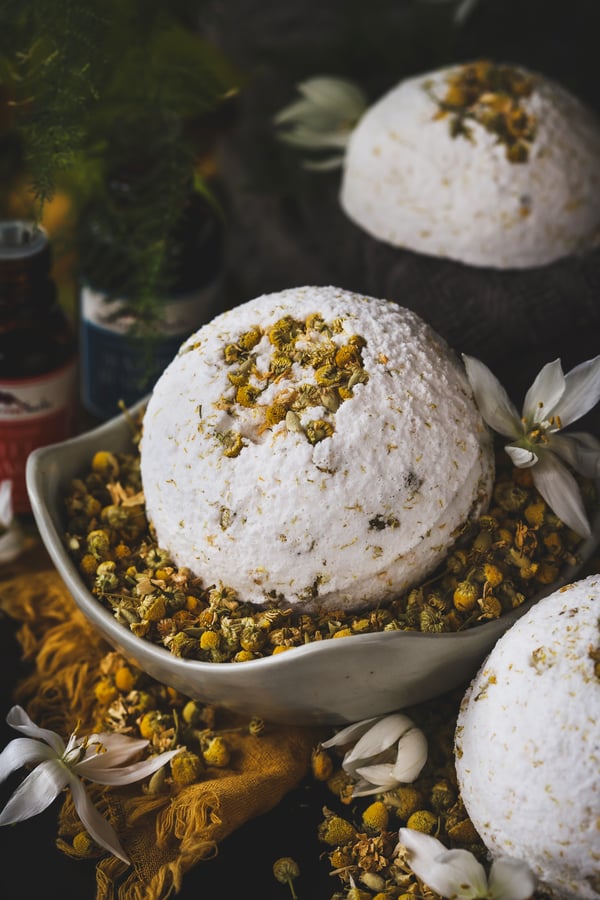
point(165, 834)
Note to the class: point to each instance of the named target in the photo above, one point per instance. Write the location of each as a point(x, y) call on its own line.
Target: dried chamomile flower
point(376, 817)
point(215, 751)
point(321, 764)
point(85, 846)
point(335, 830)
point(285, 870)
point(256, 726)
point(186, 768)
point(498, 563)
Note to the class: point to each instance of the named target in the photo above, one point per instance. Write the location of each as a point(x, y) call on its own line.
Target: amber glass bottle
point(38, 355)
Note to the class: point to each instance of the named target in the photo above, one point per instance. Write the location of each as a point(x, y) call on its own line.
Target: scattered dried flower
point(285, 869)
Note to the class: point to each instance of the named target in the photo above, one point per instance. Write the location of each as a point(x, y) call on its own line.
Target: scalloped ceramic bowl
point(329, 682)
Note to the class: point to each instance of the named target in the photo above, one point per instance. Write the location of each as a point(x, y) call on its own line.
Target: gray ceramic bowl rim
point(232, 674)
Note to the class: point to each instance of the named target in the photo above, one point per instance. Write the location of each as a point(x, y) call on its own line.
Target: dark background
point(285, 228)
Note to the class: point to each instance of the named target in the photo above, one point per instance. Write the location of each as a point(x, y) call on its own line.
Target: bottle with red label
point(38, 355)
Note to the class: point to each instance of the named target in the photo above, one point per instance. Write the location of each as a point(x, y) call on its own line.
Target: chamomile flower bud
point(285, 870)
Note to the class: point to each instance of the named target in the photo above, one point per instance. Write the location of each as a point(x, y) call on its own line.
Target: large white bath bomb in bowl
point(528, 742)
point(488, 164)
point(313, 446)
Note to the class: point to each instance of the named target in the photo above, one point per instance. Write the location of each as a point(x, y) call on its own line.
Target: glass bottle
point(123, 353)
point(38, 355)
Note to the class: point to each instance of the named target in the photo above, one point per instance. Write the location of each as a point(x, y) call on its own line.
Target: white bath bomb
point(486, 164)
point(315, 446)
point(528, 742)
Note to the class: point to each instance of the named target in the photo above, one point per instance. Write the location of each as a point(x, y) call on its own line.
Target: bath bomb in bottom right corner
point(527, 744)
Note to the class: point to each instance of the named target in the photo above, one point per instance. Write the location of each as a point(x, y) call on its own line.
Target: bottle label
point(34, 412)
point(120, 365)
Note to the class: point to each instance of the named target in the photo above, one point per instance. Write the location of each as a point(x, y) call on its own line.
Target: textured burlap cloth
point(165, 834)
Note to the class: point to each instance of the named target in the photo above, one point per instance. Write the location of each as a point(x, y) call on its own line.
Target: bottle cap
point(20, 239)
point(24, 247)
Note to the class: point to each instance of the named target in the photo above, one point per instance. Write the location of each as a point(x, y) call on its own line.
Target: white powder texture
point(514, 183)
point(314, 446)
point(528, 742)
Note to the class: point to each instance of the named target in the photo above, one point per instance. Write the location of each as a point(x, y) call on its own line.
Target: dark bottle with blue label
point(124, 347)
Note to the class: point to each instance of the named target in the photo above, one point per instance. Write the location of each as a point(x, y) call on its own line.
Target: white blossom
point(383, 752)
point(553, 401)
point(322, 119)
point(458, 875)
point(103, 758)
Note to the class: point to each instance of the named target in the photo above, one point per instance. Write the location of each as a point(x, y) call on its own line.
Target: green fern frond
point(79, 72)
point(97, 86)
point(54, 85)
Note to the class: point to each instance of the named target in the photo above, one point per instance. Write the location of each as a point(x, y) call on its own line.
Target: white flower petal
point(302, 136)
point(464, 10)
point(364, 788)
point(95, 824)
point(349, 734)
point(451, 873)
point(336, 94)
point(522, 457)
point(580, 450)
point(457, 873)
point(424, 849)
point(128, 774)
point(379, 774)
point(511, 879)
point(380, 736)
point(17, 718)
point(36, 792)
point(491, 398)
point(582, 392)
point(107, 750)
point(545, 392)
point(323, 118)
point(6, 507)
point(324, 165)
point(22, 752)
point(12, 539)
point(291, 112)
point(561, 492)
point(412, 756)
point(12, 543)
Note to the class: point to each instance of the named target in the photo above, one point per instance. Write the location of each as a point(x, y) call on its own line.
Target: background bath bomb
point(313, 445)
point(528, 742)
point(486, 164)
